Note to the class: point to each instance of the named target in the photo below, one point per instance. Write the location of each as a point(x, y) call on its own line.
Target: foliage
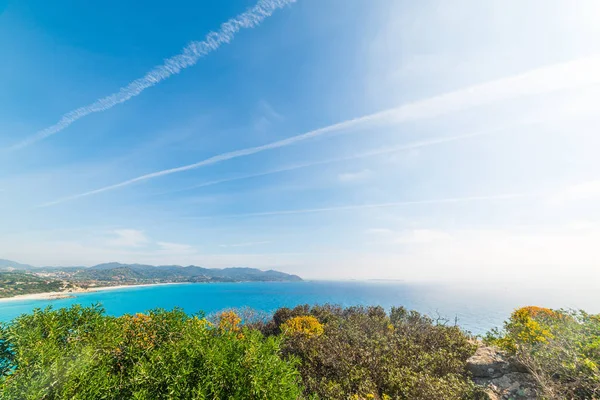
point(561, 348)
point(81, 353)
point(229, 321)
point(304, 325)
point(6, 356)
point(319, 352)
point(365, 354)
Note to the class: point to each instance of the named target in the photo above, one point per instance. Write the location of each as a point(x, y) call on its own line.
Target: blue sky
point(365, 139)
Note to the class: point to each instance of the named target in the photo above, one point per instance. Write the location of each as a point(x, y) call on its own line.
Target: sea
point(475, 308)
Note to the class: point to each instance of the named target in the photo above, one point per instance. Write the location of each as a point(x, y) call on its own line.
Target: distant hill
point(115, 271)
point(8, 265)
point(177, 272)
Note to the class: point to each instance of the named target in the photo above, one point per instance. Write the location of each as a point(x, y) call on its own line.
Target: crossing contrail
point(372, 153)
point(171, 66)
point(572, 74)
point(253, 150)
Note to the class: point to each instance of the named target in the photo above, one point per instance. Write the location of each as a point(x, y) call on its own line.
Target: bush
point(320, 352)
point(306, 325)
point(561, 349)
point(229, 321)
point(364, 354)
point(81, 353)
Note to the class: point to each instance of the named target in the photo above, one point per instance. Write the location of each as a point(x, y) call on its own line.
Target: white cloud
point(269, 111)
point(128, 238)
point(582, 191)
point(499, 256)
point(261, 123)
point(245, 244)
point(350, 177)
point(169, 247)
point(379, 231)
point(408, 236)
point(88, 253)
point(405, 160)
point(421, 236)
point(266, 116)
point(583, 225)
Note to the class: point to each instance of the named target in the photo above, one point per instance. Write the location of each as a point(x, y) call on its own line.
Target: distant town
point(21, 279)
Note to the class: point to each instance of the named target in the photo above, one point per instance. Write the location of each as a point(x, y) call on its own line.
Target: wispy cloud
point(172, 66)
point(510, 196)
point(266, 117)
point(134, 238)
point(581, 191)
point(548, 79)
point(350, 177)
point(421, 236)
point(169, 247)
point(379, 231)
point(407, 236)
point(245, 244)
point(128, 238)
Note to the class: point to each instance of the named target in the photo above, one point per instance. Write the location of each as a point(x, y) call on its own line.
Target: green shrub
point(320, 352)
point(81, 353)
point(364, 354)
point(561, 348)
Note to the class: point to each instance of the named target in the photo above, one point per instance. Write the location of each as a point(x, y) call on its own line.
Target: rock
point(487, 363)
point(502, 377)
point(514, 385)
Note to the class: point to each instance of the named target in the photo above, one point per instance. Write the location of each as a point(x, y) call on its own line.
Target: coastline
point(66, 295)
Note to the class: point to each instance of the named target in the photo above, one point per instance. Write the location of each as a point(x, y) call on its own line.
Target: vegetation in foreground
point(560, 348)
point(323, 352)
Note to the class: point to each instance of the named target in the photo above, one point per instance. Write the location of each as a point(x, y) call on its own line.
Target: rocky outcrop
point(502, 377)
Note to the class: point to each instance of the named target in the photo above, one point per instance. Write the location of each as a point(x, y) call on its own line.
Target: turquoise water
point(476, 310)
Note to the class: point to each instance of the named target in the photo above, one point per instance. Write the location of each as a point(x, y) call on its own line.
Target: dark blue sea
point(475, 308)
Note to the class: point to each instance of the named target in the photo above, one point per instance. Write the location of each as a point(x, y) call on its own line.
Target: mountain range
point(115, 271)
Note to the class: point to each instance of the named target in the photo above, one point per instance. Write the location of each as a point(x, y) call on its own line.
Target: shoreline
point(66, 295)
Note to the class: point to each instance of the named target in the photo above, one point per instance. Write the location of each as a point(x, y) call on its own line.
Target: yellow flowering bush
point(529, 325)
point(561, 347)
point(229, 321)
point(138, 330)
point(534, 311)
point(306, 325)
point(200, 323)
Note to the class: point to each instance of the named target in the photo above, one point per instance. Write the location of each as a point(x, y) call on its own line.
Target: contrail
point(395, 149)
point(551, 78)
point(171, 66)
point(508, 196)
point(253, 150)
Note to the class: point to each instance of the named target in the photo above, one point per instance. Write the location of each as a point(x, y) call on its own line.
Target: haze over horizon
point(428, 141)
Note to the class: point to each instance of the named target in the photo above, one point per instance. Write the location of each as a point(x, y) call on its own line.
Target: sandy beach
point(64, 295)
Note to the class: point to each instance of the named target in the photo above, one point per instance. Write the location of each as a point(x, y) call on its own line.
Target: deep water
point(474, 308)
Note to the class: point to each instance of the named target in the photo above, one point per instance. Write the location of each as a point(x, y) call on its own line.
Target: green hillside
point(17, 283)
